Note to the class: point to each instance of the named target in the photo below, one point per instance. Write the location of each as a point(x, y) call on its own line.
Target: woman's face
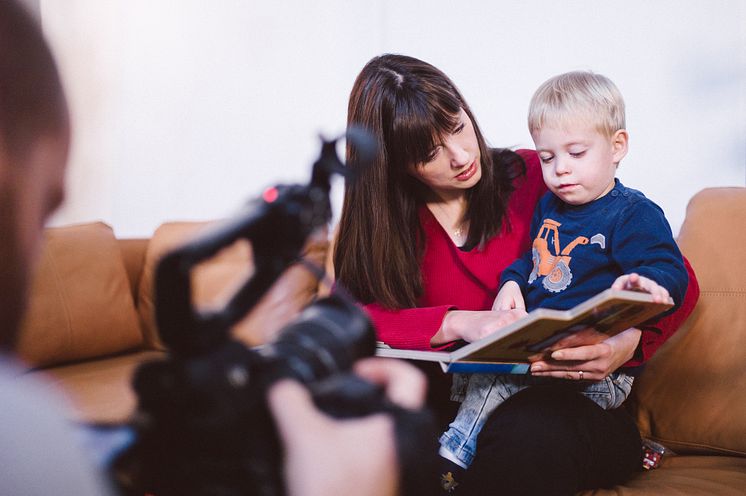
point(454, 164)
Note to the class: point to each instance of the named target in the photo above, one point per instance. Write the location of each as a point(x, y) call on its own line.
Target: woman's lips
point(470, 171)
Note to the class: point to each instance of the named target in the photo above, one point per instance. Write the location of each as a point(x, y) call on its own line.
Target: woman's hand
point(473, 325)
point(593, 362)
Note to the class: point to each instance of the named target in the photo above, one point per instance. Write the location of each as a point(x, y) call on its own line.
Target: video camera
point(202, 426)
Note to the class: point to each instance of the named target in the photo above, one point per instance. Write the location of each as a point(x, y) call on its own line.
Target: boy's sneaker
point(652, 454)
point(450, 475)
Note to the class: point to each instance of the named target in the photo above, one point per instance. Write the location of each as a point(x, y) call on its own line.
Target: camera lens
point(327, 338)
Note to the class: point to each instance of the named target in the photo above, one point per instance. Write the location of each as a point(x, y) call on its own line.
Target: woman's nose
point(460, 156)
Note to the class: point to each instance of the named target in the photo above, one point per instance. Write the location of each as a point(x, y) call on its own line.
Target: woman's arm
point(409, 328)
point(431, 328)
point(473, 325)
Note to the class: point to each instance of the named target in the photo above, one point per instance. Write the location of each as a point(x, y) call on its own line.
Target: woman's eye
point(577, 154)
point(433, 155)
point(459, 128)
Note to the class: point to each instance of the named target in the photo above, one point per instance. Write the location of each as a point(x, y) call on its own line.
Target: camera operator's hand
point(326, 456)
point(404, 384)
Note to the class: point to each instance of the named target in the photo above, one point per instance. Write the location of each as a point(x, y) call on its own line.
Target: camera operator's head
point(34, 141)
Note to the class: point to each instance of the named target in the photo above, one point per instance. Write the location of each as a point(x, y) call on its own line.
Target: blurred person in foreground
point(41, 454)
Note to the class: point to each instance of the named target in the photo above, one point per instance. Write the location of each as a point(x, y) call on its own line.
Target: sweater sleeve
point(410, 328)
point(643, 243)
point(656, 333)
point(519, 270)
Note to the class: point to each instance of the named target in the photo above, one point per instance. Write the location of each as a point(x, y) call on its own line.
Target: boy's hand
point(636, 282)
point(509, 297)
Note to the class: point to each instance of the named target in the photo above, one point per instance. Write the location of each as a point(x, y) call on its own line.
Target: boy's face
point(578, 162)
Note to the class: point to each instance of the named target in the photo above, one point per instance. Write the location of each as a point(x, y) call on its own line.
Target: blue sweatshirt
point(578, 251)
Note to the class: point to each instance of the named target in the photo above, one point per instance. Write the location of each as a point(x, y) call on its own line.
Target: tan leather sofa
point(90, 324)
point(692, 396)
point(91, 319)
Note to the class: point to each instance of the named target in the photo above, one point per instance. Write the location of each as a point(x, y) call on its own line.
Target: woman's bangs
point(418, 129)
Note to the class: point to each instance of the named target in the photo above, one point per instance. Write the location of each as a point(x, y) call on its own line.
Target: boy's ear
point(619, 144)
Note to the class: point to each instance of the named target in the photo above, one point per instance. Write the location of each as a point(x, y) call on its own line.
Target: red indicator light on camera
point(270, 194)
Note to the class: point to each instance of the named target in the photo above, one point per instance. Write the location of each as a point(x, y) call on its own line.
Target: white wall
point(186, 108)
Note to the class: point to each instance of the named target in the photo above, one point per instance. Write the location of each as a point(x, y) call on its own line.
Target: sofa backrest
point(692, 395)
point(92, 294)
point(81, 303)
point(133, 255)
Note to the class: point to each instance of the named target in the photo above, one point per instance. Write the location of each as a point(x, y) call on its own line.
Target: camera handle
point(277, 225)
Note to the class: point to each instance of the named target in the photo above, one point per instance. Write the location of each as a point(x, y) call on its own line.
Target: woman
point(425, 233)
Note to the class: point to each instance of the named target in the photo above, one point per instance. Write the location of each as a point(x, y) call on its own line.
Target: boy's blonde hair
point(577, 96)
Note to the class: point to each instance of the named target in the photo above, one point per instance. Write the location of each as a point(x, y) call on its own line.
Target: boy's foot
point(450, 475)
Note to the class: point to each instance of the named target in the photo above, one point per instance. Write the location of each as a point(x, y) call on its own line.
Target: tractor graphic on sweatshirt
point(555, 268)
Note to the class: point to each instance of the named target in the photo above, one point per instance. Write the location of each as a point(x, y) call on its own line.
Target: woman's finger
point(582, 353)
point(572, 375)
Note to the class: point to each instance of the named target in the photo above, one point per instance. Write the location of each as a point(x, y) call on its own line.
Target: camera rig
point(277, 224)
point(202, 426)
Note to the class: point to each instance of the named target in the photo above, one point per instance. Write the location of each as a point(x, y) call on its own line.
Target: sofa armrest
point(81, 302)
point(691, 394)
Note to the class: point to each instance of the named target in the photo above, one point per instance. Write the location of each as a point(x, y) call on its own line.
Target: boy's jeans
point(480, 394)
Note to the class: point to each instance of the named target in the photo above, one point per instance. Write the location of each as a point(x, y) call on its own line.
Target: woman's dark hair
point(408, 106)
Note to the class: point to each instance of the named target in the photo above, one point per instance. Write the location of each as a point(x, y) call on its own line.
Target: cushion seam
point(718, 449)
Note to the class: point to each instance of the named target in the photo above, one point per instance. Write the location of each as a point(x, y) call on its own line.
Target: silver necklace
point(458, 230)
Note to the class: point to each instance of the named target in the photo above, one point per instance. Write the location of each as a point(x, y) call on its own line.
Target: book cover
point(510, 349)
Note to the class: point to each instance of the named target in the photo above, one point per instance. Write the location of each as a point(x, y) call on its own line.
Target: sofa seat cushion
point(81, 302)
point(98, 390)
point(686, 475)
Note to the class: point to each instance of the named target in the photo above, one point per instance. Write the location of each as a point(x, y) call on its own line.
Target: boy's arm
point(643, 244)
point(655, 333)
point(520, 270)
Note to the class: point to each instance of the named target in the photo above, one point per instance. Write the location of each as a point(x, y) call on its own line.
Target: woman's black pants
point(547, 441)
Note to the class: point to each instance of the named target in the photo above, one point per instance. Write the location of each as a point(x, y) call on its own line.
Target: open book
point(510, 349)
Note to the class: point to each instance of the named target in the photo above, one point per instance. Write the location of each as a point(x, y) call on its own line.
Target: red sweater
point(467, 280)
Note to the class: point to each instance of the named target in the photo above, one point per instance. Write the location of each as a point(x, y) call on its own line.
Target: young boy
point(612, 235)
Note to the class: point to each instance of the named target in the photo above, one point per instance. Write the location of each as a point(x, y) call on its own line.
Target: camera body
point(205, 428)
point(202, 424)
